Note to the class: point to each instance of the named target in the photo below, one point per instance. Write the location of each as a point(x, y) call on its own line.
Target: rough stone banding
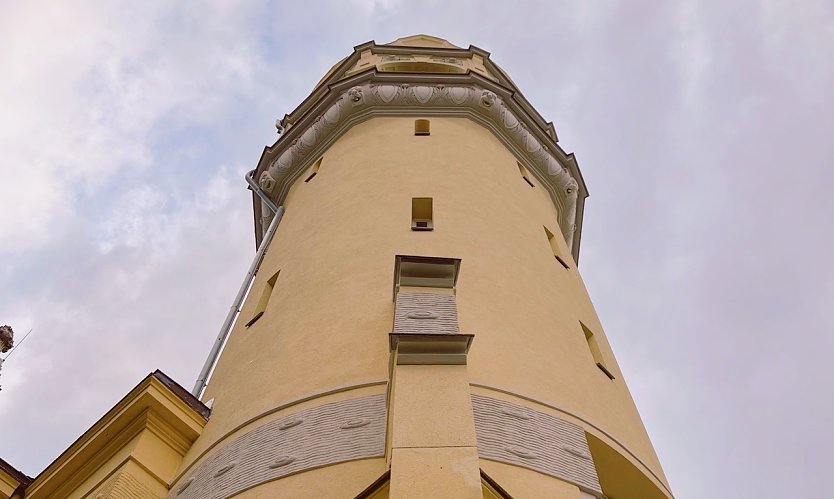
point(331, 433)
point(538, 441)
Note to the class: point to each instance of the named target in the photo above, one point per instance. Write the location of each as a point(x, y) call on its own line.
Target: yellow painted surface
point(619, 478)
point(344, 480)
point(136, 447)
point(383, 492)
point(423, 40)
point(420, 64)
point(433, 445)
point(432, 407)
point(489, 492)
point(332, 306)
point(436, 472)
point(128, 481)
point(528, 484)
point(7, 485)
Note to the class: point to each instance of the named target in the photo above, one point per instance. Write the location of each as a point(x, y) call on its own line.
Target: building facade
point(416, 326)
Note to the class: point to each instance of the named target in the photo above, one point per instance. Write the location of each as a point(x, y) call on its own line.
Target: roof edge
point(151, 393)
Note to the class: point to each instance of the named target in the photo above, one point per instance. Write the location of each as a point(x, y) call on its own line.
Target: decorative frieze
point(518, 435)
point(327, 434)
point(425, 313)
point(389, 99)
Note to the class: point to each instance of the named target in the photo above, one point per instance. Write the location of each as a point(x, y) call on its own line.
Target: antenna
point(17, 345)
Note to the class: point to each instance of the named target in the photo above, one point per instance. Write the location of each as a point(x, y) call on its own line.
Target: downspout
point(231, 317)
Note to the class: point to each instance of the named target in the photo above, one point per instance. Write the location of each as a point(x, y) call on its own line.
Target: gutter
point(234, 311)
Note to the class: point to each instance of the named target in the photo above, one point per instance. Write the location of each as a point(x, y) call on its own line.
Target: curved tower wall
point(307, 395)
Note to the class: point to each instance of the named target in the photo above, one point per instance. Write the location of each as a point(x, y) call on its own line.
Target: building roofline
point(113, 420)
point(22, 479)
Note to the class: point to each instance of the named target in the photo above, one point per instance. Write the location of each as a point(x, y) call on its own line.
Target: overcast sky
point(704, 131)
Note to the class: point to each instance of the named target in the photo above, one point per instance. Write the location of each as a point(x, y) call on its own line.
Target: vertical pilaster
point(433, 446)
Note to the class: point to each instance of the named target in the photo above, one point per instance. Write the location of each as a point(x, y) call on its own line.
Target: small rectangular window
point(421, 214)
point(525, 174)
point(422, 127)
point(266, 293)
point(595, 351)
point(313, 170)
point(554, 247)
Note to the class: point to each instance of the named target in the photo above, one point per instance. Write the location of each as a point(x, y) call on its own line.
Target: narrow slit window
point(422, 127)
point(313, 170)
point(421, 214)
point(554, 247)
point(266, 293)
point(525, 174)
point(593, 346)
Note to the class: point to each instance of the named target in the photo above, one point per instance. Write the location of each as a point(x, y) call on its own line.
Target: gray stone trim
point(518, 435)
point(425, 313)
point(327, 434)
point(622, 449)
point(367, 99)
point(278, 408)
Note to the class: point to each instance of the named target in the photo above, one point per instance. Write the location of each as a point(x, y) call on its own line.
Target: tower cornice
point(343, 67)
point(333, 108)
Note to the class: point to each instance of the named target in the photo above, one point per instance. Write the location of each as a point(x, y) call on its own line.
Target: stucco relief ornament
point(487, 98)
point(6, 338)
point(356, 96)
point(266, 182)
point(376, 95)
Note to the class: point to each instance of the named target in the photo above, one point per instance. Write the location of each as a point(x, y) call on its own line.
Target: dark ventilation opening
point(421, 214)
point(422, 127)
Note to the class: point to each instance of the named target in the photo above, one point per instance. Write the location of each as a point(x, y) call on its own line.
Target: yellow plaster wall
point(122, 473)
point(432, 407)
point(433, 446)
point(133, 451)
point(79, 485)
point(129, 481)
point(528, 484)
point(327, 321)
point(438, 472)
point(7, 485)
point(345, 480)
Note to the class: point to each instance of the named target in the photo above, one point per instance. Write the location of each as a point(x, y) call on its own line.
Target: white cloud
point(108, 319)
point(88, 84)
point(703, 132)
point(692, 52)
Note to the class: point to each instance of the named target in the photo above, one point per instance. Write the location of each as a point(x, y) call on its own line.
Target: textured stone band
point(327, 434)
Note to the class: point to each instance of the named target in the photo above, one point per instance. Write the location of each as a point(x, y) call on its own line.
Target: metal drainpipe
point(231, 317)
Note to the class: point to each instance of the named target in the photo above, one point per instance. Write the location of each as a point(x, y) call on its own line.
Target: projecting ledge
point(430, 349)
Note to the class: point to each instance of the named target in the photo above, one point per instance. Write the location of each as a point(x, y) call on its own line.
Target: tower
point(415, 324)
point(418, 320)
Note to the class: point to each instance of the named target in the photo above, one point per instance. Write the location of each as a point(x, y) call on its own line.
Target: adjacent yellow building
point(416, 326)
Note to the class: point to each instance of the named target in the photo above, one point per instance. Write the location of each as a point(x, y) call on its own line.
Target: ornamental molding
point(363, 101)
